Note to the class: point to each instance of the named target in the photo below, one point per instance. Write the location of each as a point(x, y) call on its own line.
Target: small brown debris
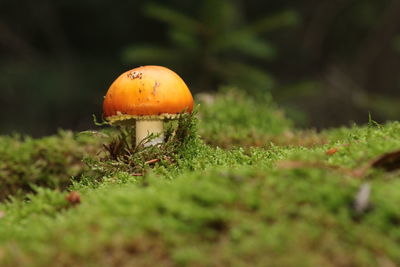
point(152, 161)
point(137, 174)
point(73, 198)
point(156, 84)
point(2, 213)
point(332, 151)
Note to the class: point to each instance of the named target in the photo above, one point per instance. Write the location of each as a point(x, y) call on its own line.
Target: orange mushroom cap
point(147, 92)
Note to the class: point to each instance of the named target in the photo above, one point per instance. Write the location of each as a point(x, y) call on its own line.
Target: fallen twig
point(152, 161)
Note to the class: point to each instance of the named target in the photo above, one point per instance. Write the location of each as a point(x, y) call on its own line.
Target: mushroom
point(147, 96)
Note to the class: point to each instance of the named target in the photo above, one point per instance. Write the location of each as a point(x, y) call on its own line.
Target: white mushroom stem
point(144, 128)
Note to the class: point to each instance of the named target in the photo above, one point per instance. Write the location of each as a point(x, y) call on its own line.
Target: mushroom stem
point(144, 128)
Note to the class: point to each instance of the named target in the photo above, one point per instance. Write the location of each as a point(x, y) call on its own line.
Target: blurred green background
point(327, 63)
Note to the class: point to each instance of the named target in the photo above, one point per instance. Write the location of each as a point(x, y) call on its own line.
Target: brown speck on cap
point(156, 84)
point(134, 75)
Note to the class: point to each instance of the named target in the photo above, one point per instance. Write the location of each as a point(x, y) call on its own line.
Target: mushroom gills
point(144, 128)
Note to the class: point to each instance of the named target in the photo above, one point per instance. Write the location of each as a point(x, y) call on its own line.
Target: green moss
point(219, 216)
point(49, 162)
point(233, 118)
point(276, 204)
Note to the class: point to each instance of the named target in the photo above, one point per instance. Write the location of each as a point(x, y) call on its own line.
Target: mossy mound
point(26, 163)
point(235, 119)
point(321, 204)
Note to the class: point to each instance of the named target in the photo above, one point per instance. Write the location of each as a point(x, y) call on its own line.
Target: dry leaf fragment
point(73, 198)
point(332, 151)
point(388, 161)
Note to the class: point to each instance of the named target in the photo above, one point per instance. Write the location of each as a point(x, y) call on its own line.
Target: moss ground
point(283, 198)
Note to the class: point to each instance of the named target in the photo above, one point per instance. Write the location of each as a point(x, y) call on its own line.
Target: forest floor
point(238, 187)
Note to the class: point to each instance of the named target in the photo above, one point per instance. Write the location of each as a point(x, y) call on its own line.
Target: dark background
point(327, 63)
